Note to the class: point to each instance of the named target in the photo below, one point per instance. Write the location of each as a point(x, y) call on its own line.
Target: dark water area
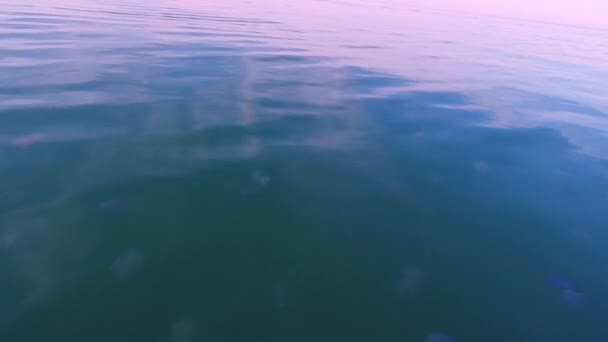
point(299, 171)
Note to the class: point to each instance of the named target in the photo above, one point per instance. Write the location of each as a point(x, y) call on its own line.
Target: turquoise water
point(299, 171)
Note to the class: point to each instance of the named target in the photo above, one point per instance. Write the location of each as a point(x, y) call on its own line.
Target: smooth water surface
point(278, 170)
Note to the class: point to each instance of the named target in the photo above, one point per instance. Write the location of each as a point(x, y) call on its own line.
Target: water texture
point(313, 170)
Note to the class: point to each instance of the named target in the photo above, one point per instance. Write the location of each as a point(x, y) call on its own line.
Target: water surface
point(299, 171)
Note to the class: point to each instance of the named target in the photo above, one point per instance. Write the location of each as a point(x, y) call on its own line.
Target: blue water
point(271, 170)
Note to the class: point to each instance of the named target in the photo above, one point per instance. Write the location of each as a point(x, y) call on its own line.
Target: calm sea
point(299, 171)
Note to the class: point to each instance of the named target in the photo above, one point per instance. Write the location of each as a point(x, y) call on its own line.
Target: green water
point(259, 171)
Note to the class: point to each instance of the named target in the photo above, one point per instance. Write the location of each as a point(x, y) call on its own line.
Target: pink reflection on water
point(455, 46)
point(29, 140)
point(570, 12)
